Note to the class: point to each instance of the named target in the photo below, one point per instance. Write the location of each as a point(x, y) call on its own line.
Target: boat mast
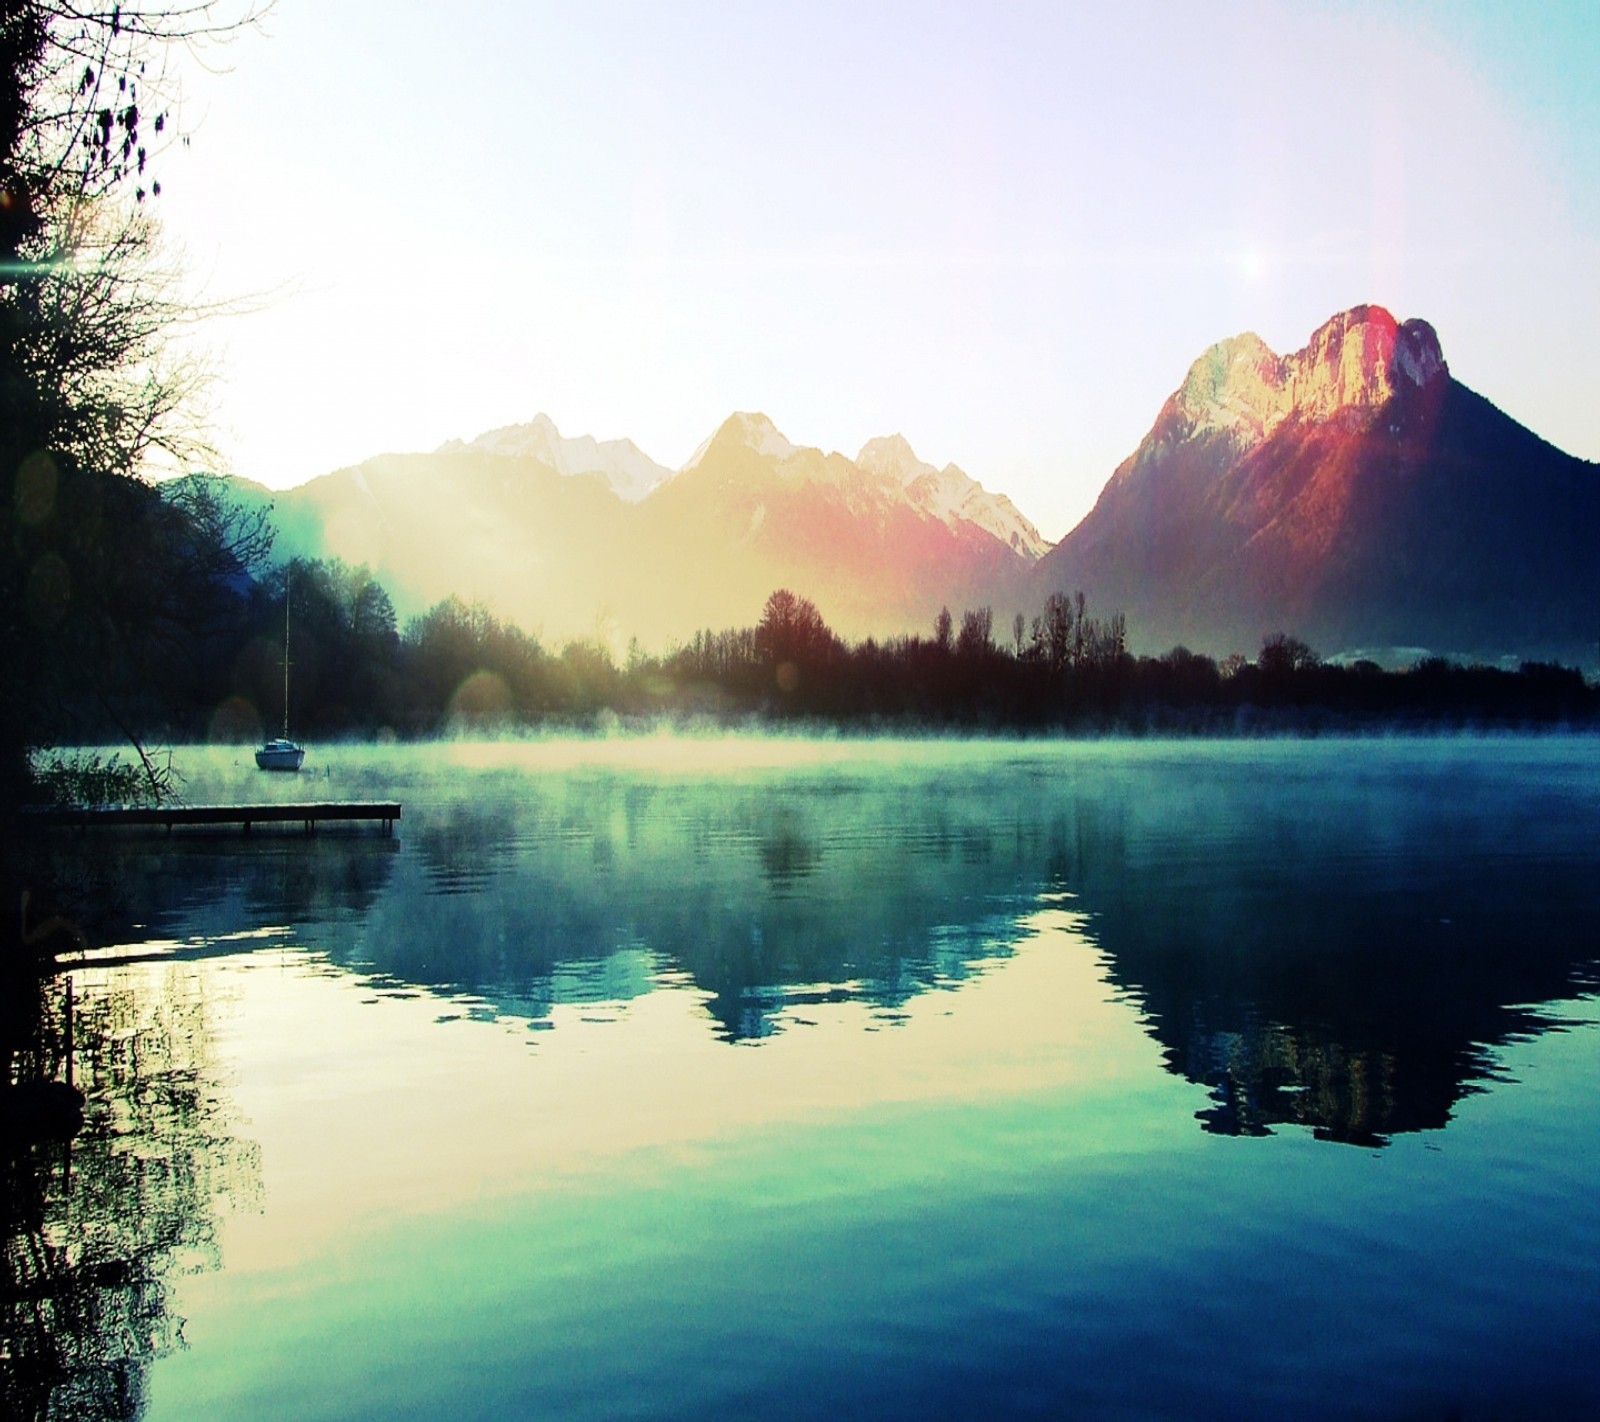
point(287, 577)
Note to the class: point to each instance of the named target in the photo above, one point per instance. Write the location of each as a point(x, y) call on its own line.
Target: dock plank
point(309, 813)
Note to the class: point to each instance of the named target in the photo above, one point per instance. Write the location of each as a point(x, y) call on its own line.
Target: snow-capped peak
point(752, 430)
point(893, 456)
point(620, 462)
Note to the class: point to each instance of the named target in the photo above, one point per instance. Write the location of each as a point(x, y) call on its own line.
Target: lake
point(654, 1077)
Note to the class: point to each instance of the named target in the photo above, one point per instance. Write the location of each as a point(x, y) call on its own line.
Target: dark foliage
point(108, 591)
point(459, 668)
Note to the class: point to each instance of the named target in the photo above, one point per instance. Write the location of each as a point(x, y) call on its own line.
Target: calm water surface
point(685, 1079)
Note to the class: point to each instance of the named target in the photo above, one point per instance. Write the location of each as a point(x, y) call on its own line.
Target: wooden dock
point(308, 814)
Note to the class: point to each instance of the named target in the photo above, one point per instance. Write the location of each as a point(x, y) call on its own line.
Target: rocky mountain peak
point(1353, 491)
point(1417, 354)
point(1346, 364)
point(1236, 386)
point(950, 495)
point(1355, 361)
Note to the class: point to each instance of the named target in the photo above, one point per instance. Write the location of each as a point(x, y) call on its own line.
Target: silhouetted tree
point(794, 643)
point(1282, 654)
point(88, 388)
point(728, 657)
point(1189, 674)
point(1056, 631)
point(977, 630)
point(585, 677)
point(463, 660)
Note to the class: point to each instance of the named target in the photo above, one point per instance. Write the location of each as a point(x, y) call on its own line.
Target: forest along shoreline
point(458, 669)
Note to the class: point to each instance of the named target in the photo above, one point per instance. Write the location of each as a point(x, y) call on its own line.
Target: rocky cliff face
point(1352, 493)
point(1352, 364)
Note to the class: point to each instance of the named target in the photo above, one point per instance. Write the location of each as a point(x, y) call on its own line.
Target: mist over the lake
point(695, 1073)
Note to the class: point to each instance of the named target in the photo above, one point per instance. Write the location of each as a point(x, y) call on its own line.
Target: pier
point(308, 814)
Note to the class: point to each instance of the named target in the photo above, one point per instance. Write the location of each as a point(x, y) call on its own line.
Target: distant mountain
point(876, 554)
point(951, 495)
point(1353, 493)
point(570, 537)
point(626, 469)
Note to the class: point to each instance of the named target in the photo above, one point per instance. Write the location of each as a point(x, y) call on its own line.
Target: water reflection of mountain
point(1349, 955)
point(768, 901)
point(1335, 935)
point(522, 895)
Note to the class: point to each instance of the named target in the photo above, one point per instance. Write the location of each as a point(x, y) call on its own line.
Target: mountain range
point(1352, 493)
point(574, 537)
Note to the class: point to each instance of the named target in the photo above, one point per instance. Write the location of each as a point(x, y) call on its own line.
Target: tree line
point(1066, 669)
point(112, 600)
point(106, 587)
point(457, 668)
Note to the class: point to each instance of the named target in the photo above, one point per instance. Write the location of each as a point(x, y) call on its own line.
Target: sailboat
point(281, 753)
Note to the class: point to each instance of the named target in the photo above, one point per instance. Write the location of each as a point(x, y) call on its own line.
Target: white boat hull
point(280, 755)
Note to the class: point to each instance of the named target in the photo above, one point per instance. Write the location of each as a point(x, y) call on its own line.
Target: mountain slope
point(855, 539)
point(516, 519)
point(1354, 493)
point(952, 495)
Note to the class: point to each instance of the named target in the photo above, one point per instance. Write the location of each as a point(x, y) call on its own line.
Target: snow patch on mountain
point(885, 472)
point(893, 456)
point(620, 462)
point(951, 495)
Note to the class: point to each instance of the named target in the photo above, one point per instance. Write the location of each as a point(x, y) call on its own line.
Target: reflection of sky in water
point(511, 1166)
point(1003, 1202)
point(590, 1094)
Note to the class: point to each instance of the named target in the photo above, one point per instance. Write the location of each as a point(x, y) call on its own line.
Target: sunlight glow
point(1252, 264)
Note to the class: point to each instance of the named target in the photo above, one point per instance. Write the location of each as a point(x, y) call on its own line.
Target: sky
point(1002, 230)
